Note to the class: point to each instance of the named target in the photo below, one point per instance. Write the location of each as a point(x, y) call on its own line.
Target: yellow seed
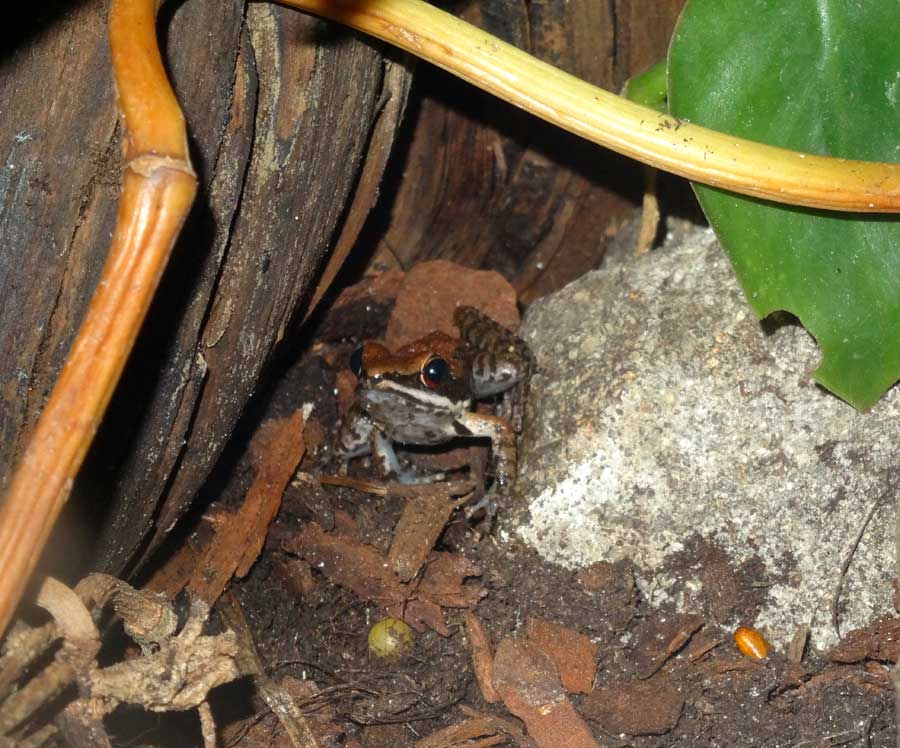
point(389, 638)
point(751, 643)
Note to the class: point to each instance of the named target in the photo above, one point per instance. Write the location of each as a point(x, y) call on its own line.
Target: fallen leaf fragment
point(573, 653)
point(880, 640)
point(432, 290)
point(364, 571)
point(482, 657)
point(275, 449)
point(640, 707)
point(529, 685)
point(443, 581)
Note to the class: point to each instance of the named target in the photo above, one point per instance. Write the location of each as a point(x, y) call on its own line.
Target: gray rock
point(664, 409)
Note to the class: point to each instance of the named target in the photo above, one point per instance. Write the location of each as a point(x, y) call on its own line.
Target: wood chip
point(798, 643)
point(636, 707)
point(880, 640)
point(421, 524)
point(275, 449)
point(529, 685)
point(482, 657)
point(443, 581)
point(431, 291)
point(661, 638)
point(364, 571)
point(511, 727)
point(573, 653)
point(173, 575)
point(472, 733)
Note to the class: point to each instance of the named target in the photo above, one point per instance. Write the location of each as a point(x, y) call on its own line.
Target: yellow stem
point(657, 139)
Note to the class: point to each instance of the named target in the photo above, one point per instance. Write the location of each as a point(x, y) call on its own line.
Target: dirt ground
point(654, 676)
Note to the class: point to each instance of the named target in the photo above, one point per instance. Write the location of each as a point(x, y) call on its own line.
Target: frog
point(423, 394)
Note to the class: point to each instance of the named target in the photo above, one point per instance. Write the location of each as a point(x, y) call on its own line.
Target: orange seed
point(751, 643)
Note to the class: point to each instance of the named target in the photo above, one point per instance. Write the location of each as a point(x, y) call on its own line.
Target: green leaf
point(822, 77)
point(649, 88)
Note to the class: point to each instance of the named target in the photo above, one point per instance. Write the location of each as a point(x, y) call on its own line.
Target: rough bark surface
point(281, 109)
point(292, 121)
point(488, 186)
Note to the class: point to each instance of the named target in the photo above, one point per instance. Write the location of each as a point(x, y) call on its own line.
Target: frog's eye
point(356, 361)
point(435, 371)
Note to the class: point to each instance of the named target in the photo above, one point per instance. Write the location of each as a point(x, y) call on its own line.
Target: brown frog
point(423, 395)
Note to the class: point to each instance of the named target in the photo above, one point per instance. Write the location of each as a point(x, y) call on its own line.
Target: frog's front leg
point(354, 436)
point(359, 436)
point(503, 456)
point(382, 448)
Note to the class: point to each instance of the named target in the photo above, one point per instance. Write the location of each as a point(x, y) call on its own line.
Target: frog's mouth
point(397, 394)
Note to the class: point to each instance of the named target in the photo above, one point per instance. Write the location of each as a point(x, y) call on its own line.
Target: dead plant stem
point(655, 138)
point(158, 189)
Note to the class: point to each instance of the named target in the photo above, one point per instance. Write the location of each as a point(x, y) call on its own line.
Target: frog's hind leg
point(353, 439)
point(504, 362)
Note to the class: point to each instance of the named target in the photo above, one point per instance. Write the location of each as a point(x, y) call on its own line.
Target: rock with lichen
point(668, 425)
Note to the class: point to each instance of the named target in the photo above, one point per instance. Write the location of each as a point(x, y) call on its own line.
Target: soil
point(663, 677)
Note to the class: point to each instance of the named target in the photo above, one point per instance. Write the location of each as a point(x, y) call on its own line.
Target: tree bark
point(489, 186)
point(292, 122)
point(286, 115)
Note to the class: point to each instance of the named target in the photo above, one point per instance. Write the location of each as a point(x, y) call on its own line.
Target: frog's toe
point(488, 502)
point(410, 476)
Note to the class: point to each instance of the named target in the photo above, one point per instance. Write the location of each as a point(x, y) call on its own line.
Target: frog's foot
point(488, 502)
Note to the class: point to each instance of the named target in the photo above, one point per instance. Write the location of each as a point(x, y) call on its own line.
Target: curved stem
point(158, 189)
point(657, 139)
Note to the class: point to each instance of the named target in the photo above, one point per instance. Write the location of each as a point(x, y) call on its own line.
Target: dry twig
point(285, 708)
point(175, 671)
point(835, 600)
point(402, 490)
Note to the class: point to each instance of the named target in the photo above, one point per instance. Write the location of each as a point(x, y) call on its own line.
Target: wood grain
point(486, 185)
point(281, 109)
